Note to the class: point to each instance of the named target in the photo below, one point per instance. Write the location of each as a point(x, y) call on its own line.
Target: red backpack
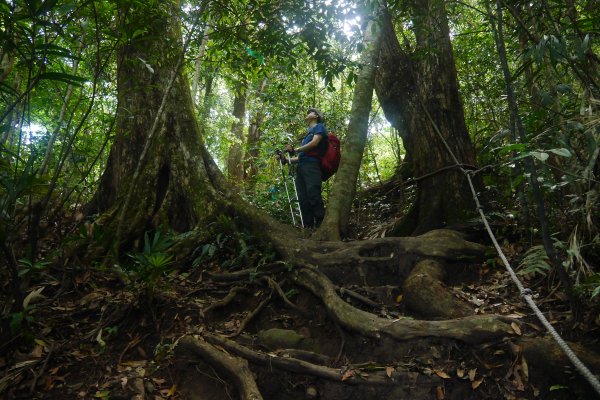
point(330, 161)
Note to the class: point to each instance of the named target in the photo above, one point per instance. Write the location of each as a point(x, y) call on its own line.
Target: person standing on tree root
point(309, 178)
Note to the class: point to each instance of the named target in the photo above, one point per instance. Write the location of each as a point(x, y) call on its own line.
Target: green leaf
point(564, 88)
point(516, 147)
point(561, 152)
point(558, 387)
point(64, 77)
point(540, 155)
point(46, 7)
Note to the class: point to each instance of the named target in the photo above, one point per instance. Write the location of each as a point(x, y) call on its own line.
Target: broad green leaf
point(540, 155)
point(561, 152)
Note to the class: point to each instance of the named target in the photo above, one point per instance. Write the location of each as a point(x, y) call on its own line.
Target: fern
point(535, 262)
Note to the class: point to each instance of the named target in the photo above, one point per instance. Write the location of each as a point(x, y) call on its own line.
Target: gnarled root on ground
point(426, 294)
point(235, 368)
point(474, 329)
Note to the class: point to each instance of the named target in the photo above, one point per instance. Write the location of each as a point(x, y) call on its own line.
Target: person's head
point(314, 114)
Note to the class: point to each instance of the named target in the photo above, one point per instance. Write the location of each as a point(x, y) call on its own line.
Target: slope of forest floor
point(90, 333)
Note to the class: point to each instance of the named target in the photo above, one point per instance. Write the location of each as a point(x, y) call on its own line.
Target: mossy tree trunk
point(335, 224)
point(159, 174)
point(157, 159)
point(418, 91)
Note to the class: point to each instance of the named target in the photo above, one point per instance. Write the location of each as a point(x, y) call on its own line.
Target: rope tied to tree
point(525, 293)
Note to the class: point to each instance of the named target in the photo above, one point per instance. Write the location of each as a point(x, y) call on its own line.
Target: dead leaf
point(99, 339)
point(475, 384)
point(472, 373)
point(516, 328)
point(460, 372)
point(37, 352)
point(349, 374)
point(388, 371)
point(32, 296)
point(172, 391)
point(439, 393)
point(524, 368)
point(442, 374)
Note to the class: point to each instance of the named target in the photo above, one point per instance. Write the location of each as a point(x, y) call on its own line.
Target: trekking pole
point(286, 188)
point(295, 190)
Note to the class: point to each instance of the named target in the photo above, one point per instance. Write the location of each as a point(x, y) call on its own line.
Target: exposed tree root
point(233, 292)
point(306, 368)
point(425, 293)
point(235, 368)
point(545, 352)
point(442, 243)
point(475, 329)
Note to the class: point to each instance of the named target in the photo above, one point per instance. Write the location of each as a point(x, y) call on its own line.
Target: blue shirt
point(318, 129)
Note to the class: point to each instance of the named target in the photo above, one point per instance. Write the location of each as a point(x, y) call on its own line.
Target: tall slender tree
point(235, 167)
point(335, 224)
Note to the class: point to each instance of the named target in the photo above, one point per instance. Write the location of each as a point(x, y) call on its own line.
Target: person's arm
point(310, 145)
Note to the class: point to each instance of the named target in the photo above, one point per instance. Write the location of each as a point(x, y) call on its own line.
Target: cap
point(318, 112)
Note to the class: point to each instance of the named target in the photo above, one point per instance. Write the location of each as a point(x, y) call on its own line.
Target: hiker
point(309, 178)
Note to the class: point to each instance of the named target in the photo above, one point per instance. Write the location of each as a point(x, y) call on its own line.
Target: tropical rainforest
point(151, 243)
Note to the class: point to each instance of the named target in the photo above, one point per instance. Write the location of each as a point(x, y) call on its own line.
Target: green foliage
point(231, 248)
point(535, 262)
point(153, 261)
point(27, 268)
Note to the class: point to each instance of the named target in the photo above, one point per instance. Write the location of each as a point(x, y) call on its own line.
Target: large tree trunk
point(157, 172)
point(335, 224)
point(418, 92)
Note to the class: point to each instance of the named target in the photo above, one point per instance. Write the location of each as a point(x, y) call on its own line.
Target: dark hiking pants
point(308, 184)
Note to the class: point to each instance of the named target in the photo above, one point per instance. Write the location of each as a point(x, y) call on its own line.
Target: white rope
point(524, 292)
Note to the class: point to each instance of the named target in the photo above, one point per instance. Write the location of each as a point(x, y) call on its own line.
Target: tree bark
point(235, 169)
point(418, 91)
point(159, 174)
point(335, 224)
point(174, 187)
point(254, 133)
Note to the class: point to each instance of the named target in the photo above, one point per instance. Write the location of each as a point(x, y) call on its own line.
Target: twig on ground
point(275, 285)
point(358, 297)
point(251, 316)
